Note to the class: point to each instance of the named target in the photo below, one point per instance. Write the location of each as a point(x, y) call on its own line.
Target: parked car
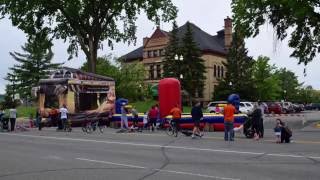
point(287, 107)
point(212, 106)
point(313, 106)
point(298, 107)
point(246, 107)
point(275, 107)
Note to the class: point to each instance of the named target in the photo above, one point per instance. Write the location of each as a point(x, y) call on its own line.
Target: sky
point(209, 15)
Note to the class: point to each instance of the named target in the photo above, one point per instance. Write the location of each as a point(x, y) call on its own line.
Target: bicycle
point(172, 130)
point(90, 127)
point(67, 126)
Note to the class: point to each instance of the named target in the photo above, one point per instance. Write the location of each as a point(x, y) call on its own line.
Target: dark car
point(298, 107)
point(275, 108)
point(313, 106)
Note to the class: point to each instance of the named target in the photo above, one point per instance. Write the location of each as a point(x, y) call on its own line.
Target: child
point(145, 120)
point(217, 109)
point(277, 131)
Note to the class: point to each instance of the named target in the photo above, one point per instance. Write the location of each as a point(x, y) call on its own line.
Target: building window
point(151, 72)
point(159, 71)
point(218, 71)
point(222, 71)
point(145, 54)
point(215, 71)
point(155, 53)
point(161, 52)
point(150, 54)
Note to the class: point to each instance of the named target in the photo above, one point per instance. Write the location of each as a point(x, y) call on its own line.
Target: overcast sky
point(206, 14)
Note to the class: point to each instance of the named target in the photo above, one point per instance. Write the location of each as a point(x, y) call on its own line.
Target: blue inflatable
point(234, 99)
point(119, 103)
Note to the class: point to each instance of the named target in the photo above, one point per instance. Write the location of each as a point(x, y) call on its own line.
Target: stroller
point(4, 123)
point(248, 131)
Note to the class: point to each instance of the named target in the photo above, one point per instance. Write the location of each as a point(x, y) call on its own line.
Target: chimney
point(145, 40)
point(227, 33)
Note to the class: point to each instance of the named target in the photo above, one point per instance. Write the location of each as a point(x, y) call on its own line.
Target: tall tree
point(266, 83)
point(192, 65)
point(86, 24)
point(170, 65)
point(32, 65)
point(300, 17)
point(239, 77)
point(289, 84)
point(129, 78)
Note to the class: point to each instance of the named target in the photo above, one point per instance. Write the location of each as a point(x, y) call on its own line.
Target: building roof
point(205, 41)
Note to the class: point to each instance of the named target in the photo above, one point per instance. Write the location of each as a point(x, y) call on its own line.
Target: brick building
point(213, 47)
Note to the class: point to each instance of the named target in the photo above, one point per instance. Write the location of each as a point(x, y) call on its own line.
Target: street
point(60, 155)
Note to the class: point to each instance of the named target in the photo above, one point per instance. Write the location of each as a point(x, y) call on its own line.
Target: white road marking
point(159, 170)
point(162, 146)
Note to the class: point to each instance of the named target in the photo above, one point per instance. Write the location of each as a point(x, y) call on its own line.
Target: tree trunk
point(92, 59)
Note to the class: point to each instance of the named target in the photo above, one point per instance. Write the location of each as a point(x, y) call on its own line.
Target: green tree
point(9, 99)
point(129, 78)
point(170, 65)
point(32, 65)
point(239, 77)
point(86, 24)
point(300, 17)
point(289, 84)
point(266, 83)
point(192, 66)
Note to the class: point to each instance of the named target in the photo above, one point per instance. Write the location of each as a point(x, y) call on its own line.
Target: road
point(50, 155)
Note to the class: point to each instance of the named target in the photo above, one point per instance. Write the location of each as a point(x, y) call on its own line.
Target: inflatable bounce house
point(87, 96)
point(170, 96)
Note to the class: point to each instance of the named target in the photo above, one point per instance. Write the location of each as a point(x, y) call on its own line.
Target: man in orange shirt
point(176, 116)
point(229, 111)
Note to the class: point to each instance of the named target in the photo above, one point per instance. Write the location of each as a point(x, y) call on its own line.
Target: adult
point(153, 115)
point(229, 111)
point(196, 114)
point(39, 118)
point(12, 118)
point(64, 116)
point(176, 116)
point(262, 107)
point(124, 118)
point(256, 122)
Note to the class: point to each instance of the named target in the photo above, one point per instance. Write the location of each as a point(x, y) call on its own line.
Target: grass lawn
point(141, 106)
point(26, 111)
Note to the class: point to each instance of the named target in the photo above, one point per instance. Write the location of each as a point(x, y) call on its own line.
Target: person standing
point(64, 116)
point(124, 118)
point(196, 114)
point(39, 118)
point(12, 117)
point(256, 122)
point(228, 113)
point(262, 107)
point(153, 115)
point(176, 116)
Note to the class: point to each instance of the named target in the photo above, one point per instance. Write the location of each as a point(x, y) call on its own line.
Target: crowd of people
point(152, 120)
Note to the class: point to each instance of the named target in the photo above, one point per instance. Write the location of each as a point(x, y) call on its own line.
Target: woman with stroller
point(256, 122)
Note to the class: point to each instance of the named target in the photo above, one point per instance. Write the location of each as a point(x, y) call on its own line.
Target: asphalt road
point(50, 155)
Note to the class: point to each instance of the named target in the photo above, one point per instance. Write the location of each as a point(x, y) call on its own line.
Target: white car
point(246, 107)
point(212, 106)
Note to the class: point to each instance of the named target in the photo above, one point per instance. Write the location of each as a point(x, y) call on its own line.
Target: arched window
point(218, 71)
point(214, 71)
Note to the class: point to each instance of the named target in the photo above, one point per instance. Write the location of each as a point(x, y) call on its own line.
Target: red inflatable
point(169, 95)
